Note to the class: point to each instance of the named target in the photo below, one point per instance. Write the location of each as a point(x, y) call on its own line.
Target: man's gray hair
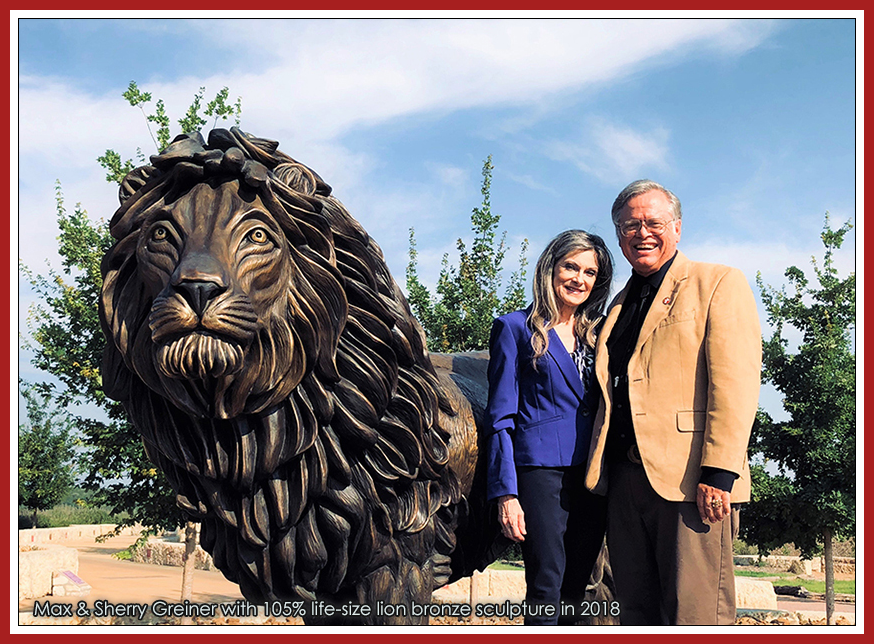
point(639, 187)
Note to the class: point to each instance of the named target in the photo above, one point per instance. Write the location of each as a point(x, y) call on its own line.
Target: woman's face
point(573, 278)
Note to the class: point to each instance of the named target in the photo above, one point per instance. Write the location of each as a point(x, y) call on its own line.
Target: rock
point(801, 567)
point(493, 586)
point(506, 585)
point(755, 593)
point(754, 616)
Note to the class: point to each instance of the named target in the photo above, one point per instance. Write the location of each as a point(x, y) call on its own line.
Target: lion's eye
point(160, 233)
point(258, 236)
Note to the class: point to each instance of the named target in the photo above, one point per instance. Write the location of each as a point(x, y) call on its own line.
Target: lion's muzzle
point(199, 356)
point(201, 331)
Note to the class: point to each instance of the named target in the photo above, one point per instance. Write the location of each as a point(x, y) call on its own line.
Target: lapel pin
point(666, 301)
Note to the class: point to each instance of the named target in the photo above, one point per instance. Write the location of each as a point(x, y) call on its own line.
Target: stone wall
point(843, 565)
point(42, 557)
point(37, 536)
point(493, 586)
point(169, 553)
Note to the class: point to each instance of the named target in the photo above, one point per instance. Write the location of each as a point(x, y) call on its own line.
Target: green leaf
point(467, 298)
point(193, 121)
point(116, 169)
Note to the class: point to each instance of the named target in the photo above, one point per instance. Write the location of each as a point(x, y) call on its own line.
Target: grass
point(502, 565)
point(844, 586)
point(741, 572)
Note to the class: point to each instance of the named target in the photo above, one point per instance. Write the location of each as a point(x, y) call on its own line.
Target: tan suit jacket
point(693, 381)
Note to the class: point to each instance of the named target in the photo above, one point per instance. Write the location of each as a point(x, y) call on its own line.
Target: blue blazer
point(539, 417)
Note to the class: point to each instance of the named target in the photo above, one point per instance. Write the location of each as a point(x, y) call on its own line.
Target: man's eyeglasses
point(632, 227)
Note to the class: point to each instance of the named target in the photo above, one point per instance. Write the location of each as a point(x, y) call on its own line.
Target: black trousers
point(565, 526)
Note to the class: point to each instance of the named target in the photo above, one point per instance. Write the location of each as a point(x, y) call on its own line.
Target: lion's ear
point(135, 180)
point(297, 177)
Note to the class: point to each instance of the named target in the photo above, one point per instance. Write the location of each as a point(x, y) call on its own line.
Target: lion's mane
point(311, 446)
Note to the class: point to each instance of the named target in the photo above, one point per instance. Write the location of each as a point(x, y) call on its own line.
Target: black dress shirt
point(620, 346)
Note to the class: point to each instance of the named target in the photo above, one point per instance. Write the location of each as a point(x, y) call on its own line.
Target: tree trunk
point(829, 577)
point(188, 559)
point(33, 521)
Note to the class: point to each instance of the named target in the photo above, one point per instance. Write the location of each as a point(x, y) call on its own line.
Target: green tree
point(46, 471)
point(193, 121)
point(459, 317)
point(811, 500)
point(67, 340)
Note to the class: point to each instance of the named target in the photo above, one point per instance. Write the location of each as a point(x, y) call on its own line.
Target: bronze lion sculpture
point(278, 378)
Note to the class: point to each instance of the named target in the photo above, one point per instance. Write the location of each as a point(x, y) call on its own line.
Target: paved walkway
point(125, 582)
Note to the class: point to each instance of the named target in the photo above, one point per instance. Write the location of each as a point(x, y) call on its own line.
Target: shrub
point(741, 547)
point(513, 553)
point(62, 516)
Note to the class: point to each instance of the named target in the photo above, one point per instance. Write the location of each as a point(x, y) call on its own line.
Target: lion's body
point(277, 376)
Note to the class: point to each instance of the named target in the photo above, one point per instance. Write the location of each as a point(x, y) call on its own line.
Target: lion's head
point(275, 372)
point(234, 300)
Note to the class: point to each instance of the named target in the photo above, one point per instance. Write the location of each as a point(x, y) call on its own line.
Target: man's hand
point(511, 517)
point(714, 504)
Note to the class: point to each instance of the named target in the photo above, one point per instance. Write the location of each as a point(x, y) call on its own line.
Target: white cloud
point(529, 182)
point(629, 151)
point(308, 82)
point(744, 36)
point(327, 76)
point(449, 175)
point(66, 127)
point(613, 152)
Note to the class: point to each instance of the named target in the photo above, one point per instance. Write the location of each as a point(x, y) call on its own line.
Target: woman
point(542, 400)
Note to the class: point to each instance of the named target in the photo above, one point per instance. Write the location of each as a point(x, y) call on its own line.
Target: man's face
point(647, 250)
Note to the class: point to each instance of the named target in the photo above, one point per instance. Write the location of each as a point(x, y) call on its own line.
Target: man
point(679, 365)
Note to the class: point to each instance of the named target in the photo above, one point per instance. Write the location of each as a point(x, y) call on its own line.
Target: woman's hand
point(511, 517)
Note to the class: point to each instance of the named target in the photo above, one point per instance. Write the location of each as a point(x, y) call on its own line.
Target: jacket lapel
point(602, 356)
point(565, 363)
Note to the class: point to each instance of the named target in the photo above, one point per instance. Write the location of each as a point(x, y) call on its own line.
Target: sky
point(752, 121)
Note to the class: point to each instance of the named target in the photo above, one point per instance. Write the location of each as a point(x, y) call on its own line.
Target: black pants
point(565, 526)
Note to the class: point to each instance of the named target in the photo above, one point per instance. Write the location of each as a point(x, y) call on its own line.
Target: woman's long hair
point(544, 311)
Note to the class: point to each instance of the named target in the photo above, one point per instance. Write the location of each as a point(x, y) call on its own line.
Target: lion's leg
point(391, 592)
point(384, 597)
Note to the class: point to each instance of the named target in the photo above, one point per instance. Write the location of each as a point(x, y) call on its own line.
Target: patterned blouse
point(584, 358)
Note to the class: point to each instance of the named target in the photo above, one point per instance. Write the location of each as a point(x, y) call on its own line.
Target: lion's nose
point(198, 293)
